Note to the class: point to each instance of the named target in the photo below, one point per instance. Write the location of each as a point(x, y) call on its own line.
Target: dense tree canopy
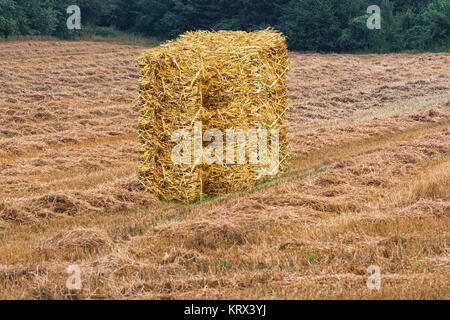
point(311, 25)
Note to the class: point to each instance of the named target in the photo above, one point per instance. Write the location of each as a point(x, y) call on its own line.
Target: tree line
point(310, 25)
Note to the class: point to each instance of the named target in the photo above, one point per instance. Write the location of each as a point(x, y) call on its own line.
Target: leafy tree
point(8, 23)
point(311, 25)
point(357, 37)
point(124, 14)
point(38, 17)
point(437, 18)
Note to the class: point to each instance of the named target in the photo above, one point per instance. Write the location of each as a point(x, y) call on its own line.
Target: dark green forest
point(310, 25)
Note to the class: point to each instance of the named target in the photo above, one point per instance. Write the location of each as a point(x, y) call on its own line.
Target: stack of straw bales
point(226, 80)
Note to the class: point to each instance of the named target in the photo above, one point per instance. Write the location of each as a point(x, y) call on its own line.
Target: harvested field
point(368, 185)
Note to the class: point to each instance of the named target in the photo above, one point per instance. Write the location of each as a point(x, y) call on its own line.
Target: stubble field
point(369, 185)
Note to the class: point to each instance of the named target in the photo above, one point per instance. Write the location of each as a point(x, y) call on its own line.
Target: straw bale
point(226, 80)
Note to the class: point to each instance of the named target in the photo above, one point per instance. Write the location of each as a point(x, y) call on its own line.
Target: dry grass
point(433, 184)
point(370, 139)
point(79, 238)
